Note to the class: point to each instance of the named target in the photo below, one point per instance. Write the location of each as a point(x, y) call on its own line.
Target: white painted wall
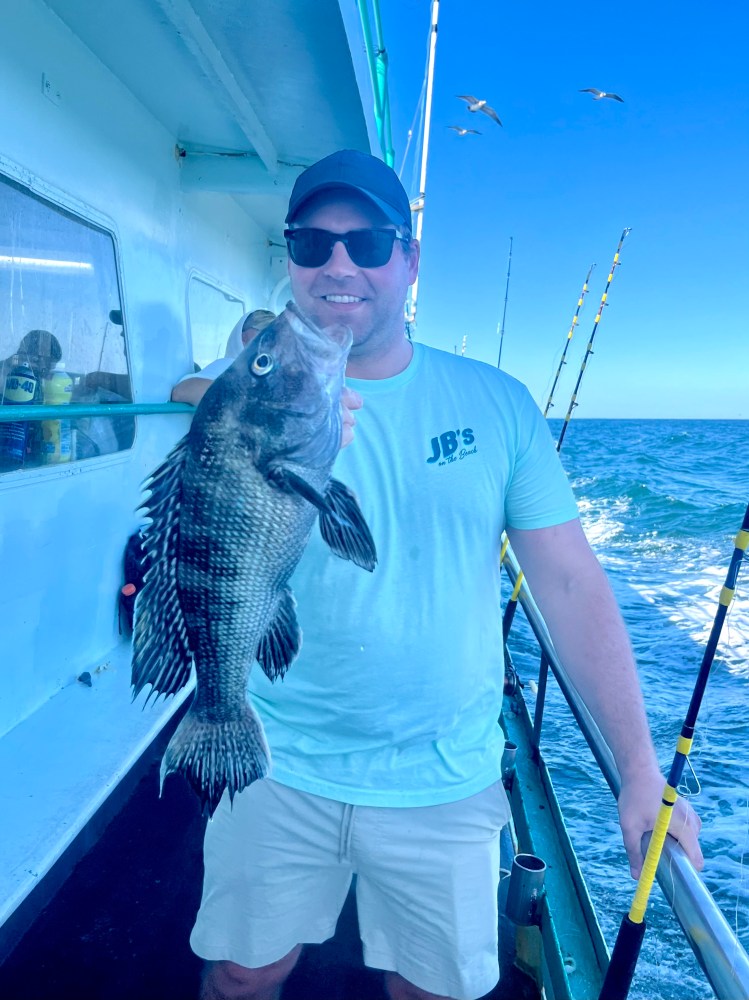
point(99, 153)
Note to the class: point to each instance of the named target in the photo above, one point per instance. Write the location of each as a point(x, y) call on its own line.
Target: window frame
point(89, 216)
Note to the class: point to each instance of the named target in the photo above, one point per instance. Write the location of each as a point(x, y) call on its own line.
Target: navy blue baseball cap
point(361, 172)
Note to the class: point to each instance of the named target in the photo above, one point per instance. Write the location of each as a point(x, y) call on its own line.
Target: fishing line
point(419, 107)
point(626, 951)
point(418, 113)
point(741, 870)
point(420, 200)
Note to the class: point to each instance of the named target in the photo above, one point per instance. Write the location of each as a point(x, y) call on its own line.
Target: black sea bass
point(231, 510)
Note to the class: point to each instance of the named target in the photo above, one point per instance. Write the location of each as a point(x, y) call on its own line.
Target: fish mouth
point(332, 342)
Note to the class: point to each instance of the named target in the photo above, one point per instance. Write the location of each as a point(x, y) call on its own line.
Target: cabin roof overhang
point(251, 92)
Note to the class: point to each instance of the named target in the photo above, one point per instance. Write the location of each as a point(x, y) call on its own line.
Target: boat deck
point(118, 928)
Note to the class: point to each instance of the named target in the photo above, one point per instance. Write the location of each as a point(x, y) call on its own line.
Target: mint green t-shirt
point(395, 696)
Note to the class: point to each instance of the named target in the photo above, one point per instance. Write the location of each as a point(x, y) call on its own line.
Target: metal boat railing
point(71, 411)
point(716, 947)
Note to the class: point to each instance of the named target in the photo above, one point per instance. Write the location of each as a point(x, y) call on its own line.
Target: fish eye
point(262, 364)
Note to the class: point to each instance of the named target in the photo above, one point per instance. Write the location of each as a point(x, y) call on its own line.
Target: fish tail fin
point(217, 756)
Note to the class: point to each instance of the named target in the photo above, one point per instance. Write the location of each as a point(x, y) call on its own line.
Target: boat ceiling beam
point(235, 173)
point(201, 46)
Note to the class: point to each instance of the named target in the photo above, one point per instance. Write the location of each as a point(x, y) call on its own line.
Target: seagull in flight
point(598, 94)
point(463, 131)
point(474, 104)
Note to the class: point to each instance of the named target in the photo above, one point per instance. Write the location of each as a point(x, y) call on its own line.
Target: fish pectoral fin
point(279, 646)
point(342, 523)
point(290, 482)
point(343, 527)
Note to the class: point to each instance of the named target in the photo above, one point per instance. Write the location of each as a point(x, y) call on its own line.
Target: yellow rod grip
point(650, 865)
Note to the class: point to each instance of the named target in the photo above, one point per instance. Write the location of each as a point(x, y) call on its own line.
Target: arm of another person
point(577, 603)
point(192, 390)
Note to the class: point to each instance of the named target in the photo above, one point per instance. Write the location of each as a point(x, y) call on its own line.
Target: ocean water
point(661, 502)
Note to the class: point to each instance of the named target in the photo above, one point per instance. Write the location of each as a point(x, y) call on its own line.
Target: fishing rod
point(626, 951)
point(570, 333)
point(589, 350)
point(501, 329)
point(512, 603)
point(418, 206)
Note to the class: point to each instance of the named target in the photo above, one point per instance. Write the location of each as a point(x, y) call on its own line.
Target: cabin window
point(214, 312)
point(61, 332)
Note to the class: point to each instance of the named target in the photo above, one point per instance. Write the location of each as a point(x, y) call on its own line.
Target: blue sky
point(566, 174)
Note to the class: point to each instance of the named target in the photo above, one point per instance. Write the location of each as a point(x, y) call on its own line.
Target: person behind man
point(192, 388)
point(38, 348)
point(384, 735)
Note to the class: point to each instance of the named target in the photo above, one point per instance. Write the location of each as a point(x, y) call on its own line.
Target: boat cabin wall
point(79, 140)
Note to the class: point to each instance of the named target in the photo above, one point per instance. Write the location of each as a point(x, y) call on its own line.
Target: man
point(386, 748)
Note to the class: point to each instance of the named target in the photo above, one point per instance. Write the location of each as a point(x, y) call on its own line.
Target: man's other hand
point(350, 401)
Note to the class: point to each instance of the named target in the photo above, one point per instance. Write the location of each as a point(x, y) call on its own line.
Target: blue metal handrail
point(71, 411)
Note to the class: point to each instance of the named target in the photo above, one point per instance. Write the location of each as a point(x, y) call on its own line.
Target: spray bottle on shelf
point(20, 388)
point(56, 434)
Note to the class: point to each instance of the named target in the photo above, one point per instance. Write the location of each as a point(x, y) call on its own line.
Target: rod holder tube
point(508, 762)
point(526, 889)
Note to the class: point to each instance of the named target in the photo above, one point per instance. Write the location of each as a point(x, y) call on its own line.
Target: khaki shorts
point(278, 867)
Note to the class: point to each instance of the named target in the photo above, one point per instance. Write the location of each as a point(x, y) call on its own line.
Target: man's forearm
point(578, 605)
point(598, 658)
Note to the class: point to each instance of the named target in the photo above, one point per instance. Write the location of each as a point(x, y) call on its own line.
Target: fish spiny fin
point(161, 650)
point(344, 529)
point(279, 646)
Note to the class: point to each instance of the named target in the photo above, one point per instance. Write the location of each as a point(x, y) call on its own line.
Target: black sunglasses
point(366, 247)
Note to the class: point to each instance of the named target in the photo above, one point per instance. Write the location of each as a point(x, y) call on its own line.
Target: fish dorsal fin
point(281, 643)
point(344, 529)
point(161, 651)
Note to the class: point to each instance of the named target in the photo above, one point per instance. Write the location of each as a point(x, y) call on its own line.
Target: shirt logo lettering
point(447, 447)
